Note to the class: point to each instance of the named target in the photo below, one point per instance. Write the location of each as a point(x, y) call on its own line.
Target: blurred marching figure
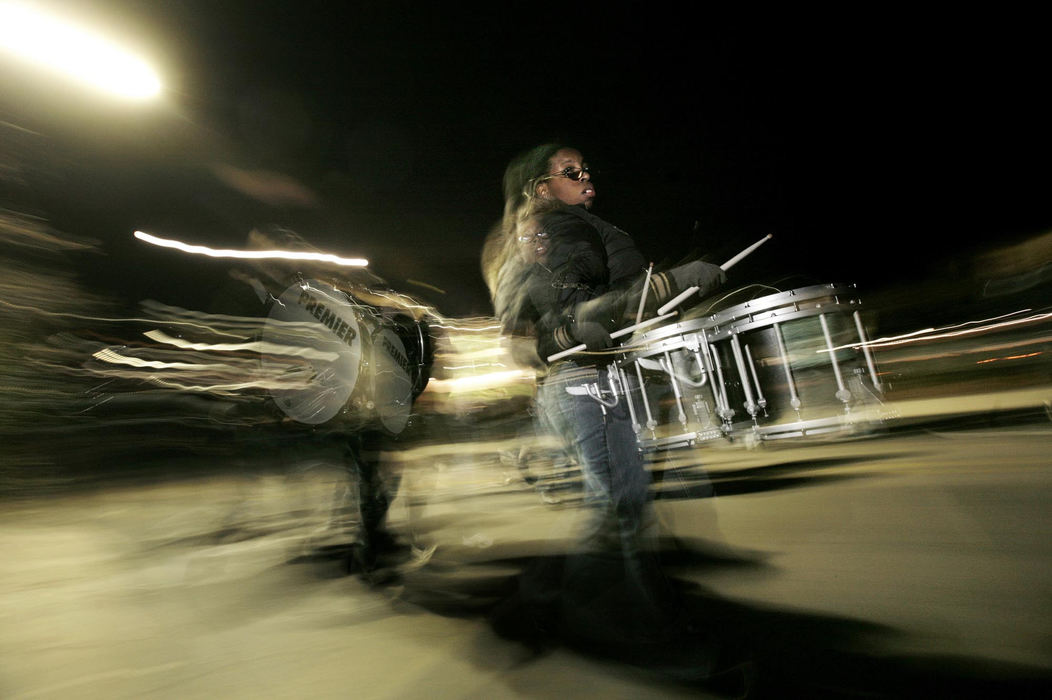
point(560, 277)
point(345, 360)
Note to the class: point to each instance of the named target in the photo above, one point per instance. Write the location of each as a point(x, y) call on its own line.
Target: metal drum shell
point(781, 307)
point(756, 322)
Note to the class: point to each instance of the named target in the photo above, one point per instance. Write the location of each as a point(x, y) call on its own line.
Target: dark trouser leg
point(375, 493)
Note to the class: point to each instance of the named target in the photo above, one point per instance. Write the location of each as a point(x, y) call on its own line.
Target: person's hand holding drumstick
point(708, 275)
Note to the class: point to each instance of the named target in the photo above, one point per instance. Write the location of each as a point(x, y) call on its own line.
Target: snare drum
point(667, 376)
point(329, 358)
point(788, 364)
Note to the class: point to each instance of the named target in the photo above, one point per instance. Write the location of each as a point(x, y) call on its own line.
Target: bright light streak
point(492, 380)
point(1010, 357)
point(251, 254)
point(107, 355)
point(970, 331)
point(467, 328)
point(75, 51)
point(941, 333)
point(261, 347)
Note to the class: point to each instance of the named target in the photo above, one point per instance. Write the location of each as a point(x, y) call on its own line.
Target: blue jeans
point(615, 479)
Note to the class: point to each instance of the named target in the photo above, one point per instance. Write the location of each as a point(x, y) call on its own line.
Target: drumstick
point(725, 266)
point(643, 296)
point(615, 334)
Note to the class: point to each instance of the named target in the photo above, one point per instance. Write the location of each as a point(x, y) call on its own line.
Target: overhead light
point(75, 51)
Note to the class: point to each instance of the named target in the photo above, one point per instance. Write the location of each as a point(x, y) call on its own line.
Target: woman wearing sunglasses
point(563, 276)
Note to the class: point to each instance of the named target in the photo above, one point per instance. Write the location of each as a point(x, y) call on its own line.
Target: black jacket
point(592, 272)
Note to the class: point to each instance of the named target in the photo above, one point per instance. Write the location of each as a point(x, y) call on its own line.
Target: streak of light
point(107, 355)
point(226, 389)
point(1010, 357)
point(939, 334)
point(468, 329)
point(491, 380)
point(262, 347)
point(426, 286)
point(75, 51)
point(112, 319)
point(250, 254)
point(403, 301)
point(475, 355)
point(984, 349)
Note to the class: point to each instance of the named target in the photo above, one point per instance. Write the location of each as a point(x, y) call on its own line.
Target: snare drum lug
point(750, 404)
point(760, 400)
point(866, 353)
point(666, 364)
point(651, 423)
point(842, 393)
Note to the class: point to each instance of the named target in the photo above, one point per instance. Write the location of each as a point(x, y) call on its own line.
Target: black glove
point(705, 276)
point(593, 335)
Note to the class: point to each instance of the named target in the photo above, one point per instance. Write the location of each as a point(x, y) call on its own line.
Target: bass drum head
point(392, 386)
point(313, 351)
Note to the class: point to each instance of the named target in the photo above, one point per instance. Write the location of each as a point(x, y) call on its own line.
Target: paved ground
point(912, 562)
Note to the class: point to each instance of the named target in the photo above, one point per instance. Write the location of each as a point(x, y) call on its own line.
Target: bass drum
point(329, 360)
point(415, 335)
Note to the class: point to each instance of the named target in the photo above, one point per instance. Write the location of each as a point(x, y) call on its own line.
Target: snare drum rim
point(770, 318)
point(755, 313)
point(653, 335)
point(791, 296)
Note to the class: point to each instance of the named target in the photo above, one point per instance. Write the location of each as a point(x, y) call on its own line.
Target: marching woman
point(561, 277)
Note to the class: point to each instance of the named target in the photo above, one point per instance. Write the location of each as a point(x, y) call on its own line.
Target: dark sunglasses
point(573, 173)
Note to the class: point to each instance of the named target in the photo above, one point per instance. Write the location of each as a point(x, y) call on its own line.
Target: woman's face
point(533, 242)
point(565, 165)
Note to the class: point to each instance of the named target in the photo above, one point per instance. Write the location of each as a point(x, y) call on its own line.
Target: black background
point(874, 145)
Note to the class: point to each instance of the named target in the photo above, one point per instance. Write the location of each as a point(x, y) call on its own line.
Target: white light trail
point(491, 380)
point(250, 254)
point(479, 366)
point(945, 332)
point(467, 329)
point(75, 51)
point(107, 355)
point(261, 347)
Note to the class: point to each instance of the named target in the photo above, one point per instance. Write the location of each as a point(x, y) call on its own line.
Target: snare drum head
point(393, 388)
point(312, 351)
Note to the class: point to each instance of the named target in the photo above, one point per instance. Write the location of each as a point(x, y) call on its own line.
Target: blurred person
point(562, 276)
point(351, 444)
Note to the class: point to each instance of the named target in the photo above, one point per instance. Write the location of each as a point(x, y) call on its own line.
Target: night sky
point(873, 146)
